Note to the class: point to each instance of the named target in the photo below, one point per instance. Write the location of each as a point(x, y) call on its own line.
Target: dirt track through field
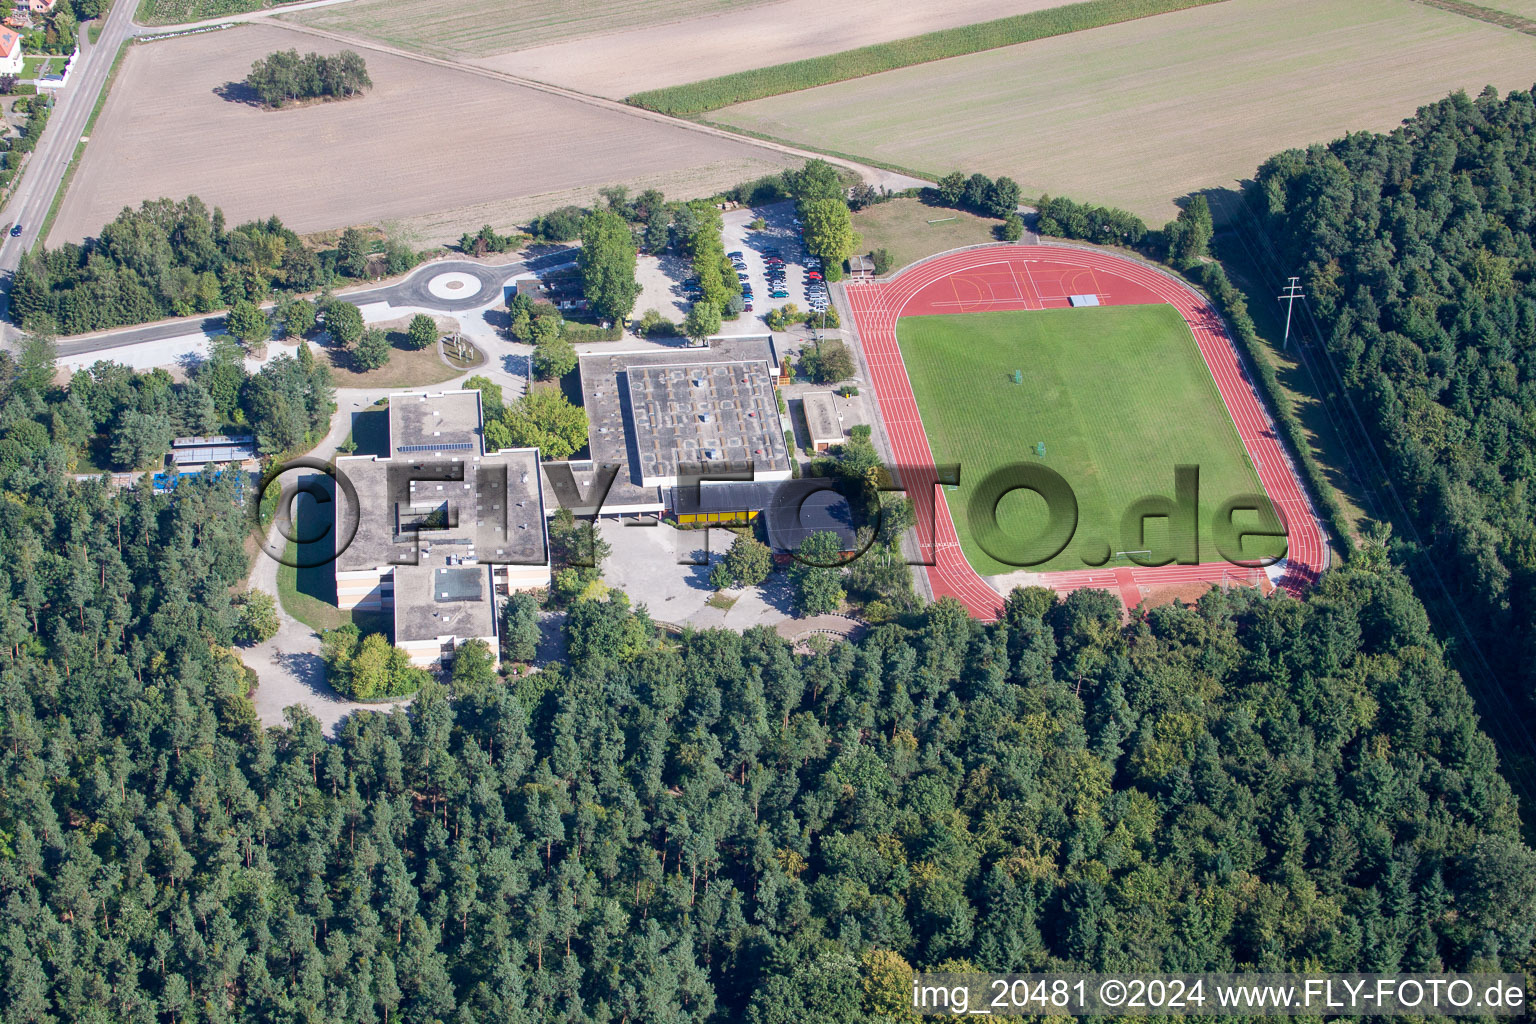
point(439, 149)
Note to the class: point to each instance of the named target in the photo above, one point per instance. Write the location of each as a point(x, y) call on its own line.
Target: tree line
point(1415, 252)
point(177, 258)
point(712, 827)
point(283, 77)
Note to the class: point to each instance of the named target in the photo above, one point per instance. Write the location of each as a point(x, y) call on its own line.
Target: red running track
point(1041, 277)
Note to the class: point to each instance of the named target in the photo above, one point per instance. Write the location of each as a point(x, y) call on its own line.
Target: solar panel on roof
point(450, 446)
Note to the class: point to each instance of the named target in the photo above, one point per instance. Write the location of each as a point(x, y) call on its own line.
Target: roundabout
point(1053, 277)
point(453, 285)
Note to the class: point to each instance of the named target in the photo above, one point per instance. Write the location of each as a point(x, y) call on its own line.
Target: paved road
point(45, 169)
point(411, 291)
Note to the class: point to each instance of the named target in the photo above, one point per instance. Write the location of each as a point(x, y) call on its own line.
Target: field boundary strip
point(759, 83)
point(1477, 12)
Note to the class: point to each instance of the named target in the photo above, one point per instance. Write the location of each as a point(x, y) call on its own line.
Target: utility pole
point(1290, 295)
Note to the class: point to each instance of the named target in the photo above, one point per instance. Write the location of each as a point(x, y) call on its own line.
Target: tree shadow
point(777, 593)
point(308, 668)
point(239, 92)
point(498, 318)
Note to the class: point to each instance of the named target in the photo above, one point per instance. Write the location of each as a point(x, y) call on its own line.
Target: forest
point(1415, 251)
point(710, 827)
point(111, 417)
point(176, 258)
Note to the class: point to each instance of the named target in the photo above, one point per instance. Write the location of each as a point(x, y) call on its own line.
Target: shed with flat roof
point(823, 424)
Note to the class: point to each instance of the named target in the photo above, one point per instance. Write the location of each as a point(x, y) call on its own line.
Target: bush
point(258, 621)
point(758, 224)
point(486, 240)
point(827, 362)
point(1102, 225)
point(562, 225)
point(1011, 229)
point(860, 433)
point(579, 333)
point(372, 350)
point(553, 359)
point(422, 332)
point(653, 325)
point(882, 260)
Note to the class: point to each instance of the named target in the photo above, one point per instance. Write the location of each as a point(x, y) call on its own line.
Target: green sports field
point(1119, 395)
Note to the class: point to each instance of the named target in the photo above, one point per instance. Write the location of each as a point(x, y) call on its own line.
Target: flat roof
point(809, 505)
point(436, 601)
point(424, 511)
point(715, 414)
point(612, 439)
point(434, 422)
point(821, 417)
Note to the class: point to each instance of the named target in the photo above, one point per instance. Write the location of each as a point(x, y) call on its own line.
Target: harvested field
point(620, 63)
point(479, 28)
point(902, 228)
point(809, 72)
point(1140, 113)
point(434, 149)
point(1480, 9)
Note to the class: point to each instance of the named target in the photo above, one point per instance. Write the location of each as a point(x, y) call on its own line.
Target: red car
point(814, 276)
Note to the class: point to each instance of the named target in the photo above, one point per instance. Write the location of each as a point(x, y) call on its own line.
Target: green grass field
point(910, 230)
point(1118, 394)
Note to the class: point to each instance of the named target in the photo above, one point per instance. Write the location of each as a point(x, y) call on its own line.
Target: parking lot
point(779, 234)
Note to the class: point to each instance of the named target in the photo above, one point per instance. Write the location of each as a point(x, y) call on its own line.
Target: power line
point(1290, 295)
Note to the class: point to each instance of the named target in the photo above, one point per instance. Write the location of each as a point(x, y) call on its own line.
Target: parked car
point(780, 294)
point(813, 275)
point(735, 255)
point(747, 308)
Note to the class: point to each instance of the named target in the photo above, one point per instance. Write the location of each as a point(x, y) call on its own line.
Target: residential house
point(10, 52)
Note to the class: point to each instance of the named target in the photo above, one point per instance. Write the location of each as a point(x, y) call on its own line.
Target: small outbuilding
point(861, 268)
point(822, 422)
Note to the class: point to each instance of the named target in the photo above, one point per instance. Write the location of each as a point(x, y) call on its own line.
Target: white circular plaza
point(454, 285)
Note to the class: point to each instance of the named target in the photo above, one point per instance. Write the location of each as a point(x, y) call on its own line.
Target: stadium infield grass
point(1118, 394)
point(714, 93)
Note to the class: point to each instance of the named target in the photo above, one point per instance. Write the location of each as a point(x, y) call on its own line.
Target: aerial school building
point(673, 421)
point(444, 530)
